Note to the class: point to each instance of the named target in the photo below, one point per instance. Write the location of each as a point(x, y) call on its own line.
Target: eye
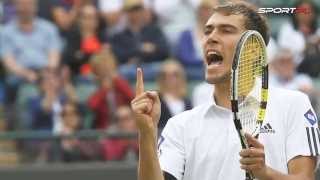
point(227, 30)
point(207, 31)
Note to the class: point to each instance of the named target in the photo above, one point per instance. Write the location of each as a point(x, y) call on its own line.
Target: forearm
point(149, 166)
point(15, 68)
point(54, 59)
point(272, 174)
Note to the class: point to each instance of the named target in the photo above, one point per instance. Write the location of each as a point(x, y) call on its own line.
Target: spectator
point(119, 149)
point(188, 49)
point(140, 42)
point(74, 149)
point(45, 111)
point(65, 13)
point(302, 30)
point(83, 41)
point(172, 85)
point(284, 73)
point(113, 90)
point(45, 108)
point(25, 47)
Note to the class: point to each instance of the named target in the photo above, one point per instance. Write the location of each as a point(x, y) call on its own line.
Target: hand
point(146, 107)
point(148, 47)
point(31, 76)
point(253, 159)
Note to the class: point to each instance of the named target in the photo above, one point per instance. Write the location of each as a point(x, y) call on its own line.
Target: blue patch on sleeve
point(309, 115)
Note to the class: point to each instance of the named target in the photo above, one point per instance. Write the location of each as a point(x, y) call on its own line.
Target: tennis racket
point(249, 86)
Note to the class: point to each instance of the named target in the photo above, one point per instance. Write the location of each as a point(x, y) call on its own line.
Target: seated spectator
point(65, 13)
point(83, 41)
point(45, 108)
point(113, 90)
point(284, 74)
point(172, 85)
point(45, 111)
point(302, 30)
point(25, 48)
point(140, 42)
point(120, 149)
point(74, 149)
point(188, 49)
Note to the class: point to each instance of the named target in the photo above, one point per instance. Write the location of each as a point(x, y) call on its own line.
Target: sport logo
point(267, 129)
point(284, 10)
point(312, 119)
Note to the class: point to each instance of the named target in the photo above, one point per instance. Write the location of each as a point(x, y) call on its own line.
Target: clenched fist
point(146, 107)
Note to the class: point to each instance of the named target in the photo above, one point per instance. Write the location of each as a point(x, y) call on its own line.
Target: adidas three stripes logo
point(313, 140)
point(267, 129)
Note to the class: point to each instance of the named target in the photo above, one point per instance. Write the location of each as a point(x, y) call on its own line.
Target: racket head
point(249, 83)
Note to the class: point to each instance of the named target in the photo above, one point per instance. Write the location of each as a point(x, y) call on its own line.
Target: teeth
point(212, 53)
point(212, 57)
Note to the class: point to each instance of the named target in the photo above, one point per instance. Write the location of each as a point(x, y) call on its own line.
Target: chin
point(211, 79)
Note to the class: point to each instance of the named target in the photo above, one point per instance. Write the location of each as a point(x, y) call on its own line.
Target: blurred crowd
point(69, 65)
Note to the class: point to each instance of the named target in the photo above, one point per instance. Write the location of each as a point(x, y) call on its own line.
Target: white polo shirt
point(203, 143)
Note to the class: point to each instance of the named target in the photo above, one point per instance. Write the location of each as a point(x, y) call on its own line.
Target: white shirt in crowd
point(298, 82)
point(203, 143)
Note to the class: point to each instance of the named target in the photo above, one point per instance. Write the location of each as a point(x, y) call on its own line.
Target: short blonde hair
point(182, 90)
point(104, 56)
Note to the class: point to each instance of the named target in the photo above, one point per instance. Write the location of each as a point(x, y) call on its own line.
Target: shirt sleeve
point(303, 133)
point(6, 46)
point(54, 39)
point(171, 150)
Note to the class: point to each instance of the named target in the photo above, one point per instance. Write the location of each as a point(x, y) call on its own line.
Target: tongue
point(217, 62)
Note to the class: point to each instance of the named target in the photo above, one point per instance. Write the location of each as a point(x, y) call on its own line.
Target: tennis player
point(202, 144)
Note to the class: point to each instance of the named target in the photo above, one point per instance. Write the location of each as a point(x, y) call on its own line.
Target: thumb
point(253, 141)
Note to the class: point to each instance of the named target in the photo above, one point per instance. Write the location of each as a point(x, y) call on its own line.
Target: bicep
point(302, 166)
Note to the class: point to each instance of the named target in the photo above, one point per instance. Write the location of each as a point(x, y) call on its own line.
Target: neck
point(135, 27)
point(87, 33)
point(25, 25)
point(222, 95)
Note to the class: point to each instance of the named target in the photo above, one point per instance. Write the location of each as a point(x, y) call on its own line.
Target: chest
point(216, 145)
point(30, 40)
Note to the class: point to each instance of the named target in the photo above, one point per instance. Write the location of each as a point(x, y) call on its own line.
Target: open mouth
point(214, 58)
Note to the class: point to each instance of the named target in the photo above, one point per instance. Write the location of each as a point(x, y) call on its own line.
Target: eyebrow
point(211, 26)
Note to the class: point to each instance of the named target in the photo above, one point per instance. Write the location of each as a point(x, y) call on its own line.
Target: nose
point(213, 37)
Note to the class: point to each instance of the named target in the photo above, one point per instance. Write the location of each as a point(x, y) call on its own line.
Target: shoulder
point(276, 92)
point(153, 28)
point(285, 97)
point(45, 25)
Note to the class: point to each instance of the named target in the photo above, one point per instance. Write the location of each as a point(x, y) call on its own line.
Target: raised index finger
point(139, 83)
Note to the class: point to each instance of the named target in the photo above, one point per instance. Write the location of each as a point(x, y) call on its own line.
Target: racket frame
point(234, 90)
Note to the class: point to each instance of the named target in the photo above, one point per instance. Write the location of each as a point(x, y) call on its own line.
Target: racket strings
point(250, 70)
